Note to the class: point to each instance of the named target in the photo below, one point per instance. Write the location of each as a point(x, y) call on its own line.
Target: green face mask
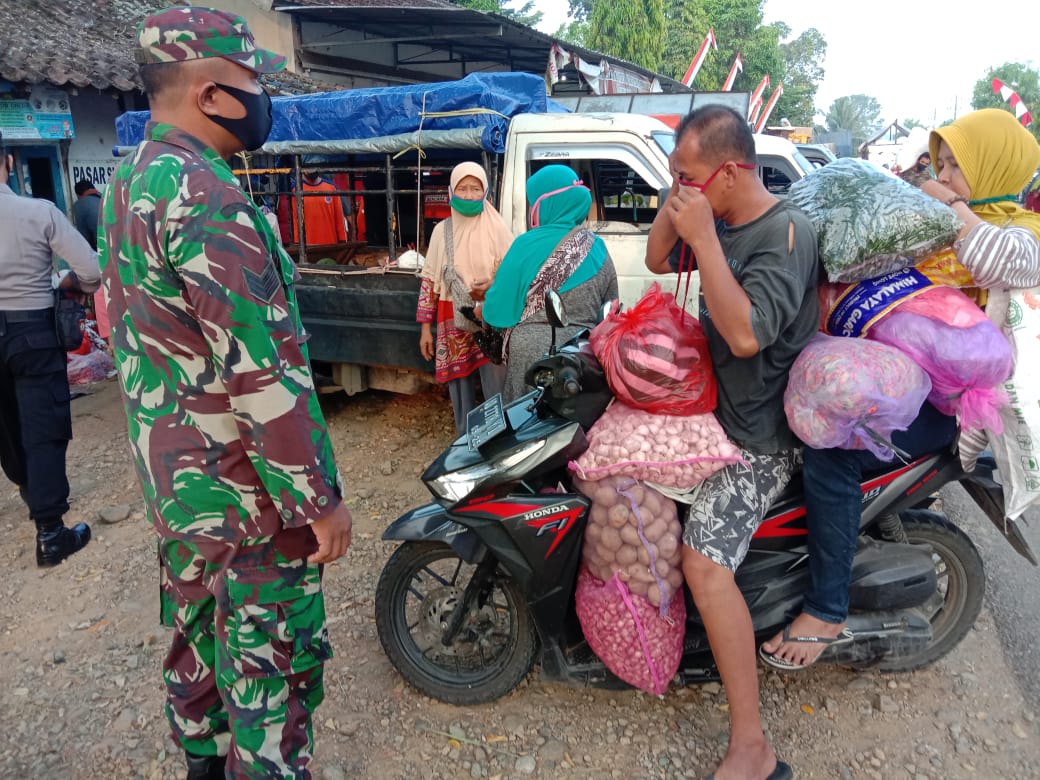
point(467, 208)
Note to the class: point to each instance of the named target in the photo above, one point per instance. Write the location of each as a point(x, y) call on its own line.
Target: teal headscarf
point(559, 203)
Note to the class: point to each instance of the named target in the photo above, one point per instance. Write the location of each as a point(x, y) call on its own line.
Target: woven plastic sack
point(966, 356)
point(633, 532)
point(941, 268)
point(869, 223)
point(626, 632)
point(656, 357)
point(853, 393)
point(676, 452)
point(1016, 448)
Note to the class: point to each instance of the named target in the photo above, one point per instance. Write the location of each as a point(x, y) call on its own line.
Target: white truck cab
point(623, 159)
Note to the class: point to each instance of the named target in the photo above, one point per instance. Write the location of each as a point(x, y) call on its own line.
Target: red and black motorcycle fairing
point(512, 519)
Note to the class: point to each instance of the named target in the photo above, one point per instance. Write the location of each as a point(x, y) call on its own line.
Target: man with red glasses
point(758, 264)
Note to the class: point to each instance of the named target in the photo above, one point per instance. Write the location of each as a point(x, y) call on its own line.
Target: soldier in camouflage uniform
point(920, 172)
point(231, 448)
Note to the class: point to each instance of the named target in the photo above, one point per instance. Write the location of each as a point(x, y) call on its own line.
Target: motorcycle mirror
point(554, 309)
point(555, 315)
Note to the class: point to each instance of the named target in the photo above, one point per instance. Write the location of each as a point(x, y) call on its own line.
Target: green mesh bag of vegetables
point(870, 223)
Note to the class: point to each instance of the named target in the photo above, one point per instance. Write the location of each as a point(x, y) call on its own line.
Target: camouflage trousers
point(244, 673)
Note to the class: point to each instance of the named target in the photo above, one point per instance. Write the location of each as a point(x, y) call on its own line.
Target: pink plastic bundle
point(966, 356)
point(656, 357)
point(853, 393)
point(634, 532)
point(626, 632)
point(676, 452)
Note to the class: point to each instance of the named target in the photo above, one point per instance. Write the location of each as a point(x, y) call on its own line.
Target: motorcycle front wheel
point(494, 642)
point(952, 610)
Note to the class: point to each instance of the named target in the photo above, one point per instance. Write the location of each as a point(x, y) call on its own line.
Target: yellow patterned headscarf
point(998, 158)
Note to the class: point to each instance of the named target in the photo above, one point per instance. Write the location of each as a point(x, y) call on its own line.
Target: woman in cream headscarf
point(983, 160)
point(464, 252)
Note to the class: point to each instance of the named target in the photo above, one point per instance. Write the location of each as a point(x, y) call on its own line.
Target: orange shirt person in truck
point(323, 214)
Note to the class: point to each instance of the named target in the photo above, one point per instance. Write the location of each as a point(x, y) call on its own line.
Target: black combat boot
point(205, 767)
point(55, 542)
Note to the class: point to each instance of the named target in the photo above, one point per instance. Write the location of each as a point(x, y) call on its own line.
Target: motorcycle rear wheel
point(419, 590)
point(962, 583)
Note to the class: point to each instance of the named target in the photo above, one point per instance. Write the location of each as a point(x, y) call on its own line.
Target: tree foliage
point(1021, 78)
point(802, 72)
point(738, 28)
point(574, 31)
point(580, 10)
point(629, 29)
point(859, 114)
point(525, 14)
point(634, 29)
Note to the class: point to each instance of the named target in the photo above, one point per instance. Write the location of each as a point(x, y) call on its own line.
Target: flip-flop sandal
point(786, 666)
point(781, 772)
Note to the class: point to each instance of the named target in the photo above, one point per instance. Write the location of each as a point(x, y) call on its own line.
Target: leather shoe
point(56, 544)
point(205, 767)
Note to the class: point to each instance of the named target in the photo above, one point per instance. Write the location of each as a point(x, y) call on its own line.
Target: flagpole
point(738, 66)
point(769, 107)
point(756, 99)
point(698, 59)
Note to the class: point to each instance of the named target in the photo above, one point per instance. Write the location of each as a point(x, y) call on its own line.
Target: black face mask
point(252, 129)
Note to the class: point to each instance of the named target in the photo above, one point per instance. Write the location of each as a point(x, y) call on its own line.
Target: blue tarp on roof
point(488, 101)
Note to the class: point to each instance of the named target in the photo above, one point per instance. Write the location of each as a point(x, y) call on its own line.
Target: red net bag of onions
point(656, 357)
point(628, 634)
point(675, 452)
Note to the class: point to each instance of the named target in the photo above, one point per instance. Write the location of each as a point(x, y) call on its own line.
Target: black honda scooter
point(483, 585)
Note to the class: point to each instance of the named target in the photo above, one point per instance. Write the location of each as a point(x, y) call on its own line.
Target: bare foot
point(747, 762)
point(802, 653)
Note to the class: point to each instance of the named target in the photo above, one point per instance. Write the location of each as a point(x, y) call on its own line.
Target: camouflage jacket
point(913, 176)
point(224, 421)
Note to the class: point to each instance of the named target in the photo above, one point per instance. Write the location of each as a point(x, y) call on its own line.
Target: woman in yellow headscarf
point(983, 160)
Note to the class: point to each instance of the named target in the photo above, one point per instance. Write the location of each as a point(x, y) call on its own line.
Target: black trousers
point(35, 418)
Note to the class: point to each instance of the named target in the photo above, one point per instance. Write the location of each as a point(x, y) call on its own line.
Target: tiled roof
point(79, 42)
point(91, 43)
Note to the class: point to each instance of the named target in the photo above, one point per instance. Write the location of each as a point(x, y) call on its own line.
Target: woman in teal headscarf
point(556, 253)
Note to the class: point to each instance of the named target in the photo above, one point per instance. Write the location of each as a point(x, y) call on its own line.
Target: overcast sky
point(919, 58)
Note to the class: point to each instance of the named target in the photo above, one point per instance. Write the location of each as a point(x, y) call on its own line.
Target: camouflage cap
point(191, 33)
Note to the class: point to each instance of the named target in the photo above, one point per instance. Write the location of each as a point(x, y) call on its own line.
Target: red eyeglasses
point(703, 187)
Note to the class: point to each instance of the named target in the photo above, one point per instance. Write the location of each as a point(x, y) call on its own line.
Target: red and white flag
point(756, 99)
point(698, 60)
point(1021, 112)
point(769, 107)
point(738, 67)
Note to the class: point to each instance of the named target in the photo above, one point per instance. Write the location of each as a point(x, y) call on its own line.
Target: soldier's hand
point(333, 535)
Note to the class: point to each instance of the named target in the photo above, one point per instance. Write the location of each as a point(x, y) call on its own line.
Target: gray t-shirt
point(778, 272)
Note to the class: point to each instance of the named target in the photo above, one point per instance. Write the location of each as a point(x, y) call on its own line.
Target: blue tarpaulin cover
point(475, 110)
